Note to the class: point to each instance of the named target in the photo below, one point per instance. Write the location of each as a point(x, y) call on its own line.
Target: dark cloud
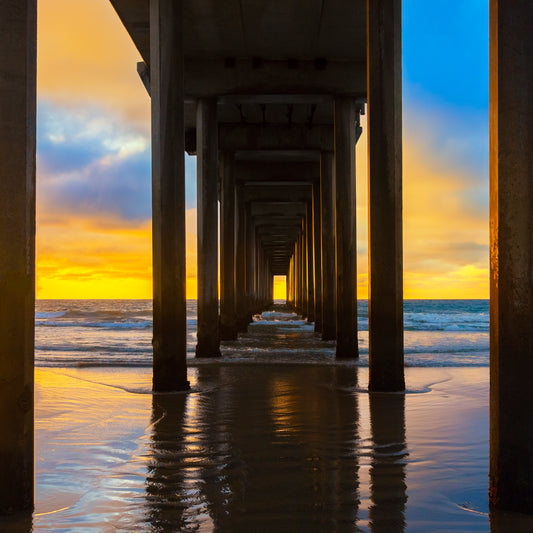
point(92, 163)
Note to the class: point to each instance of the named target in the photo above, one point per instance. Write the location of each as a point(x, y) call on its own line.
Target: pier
point(268, 96)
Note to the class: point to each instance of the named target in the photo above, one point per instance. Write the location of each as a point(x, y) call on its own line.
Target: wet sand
point(263, 445)
point(263, 448)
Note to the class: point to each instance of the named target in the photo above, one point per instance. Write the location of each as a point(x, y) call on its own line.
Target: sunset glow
point(94, 207)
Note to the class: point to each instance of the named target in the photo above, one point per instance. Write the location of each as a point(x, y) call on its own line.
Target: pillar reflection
point(388, 489)
point(166, 494)
point(280, 448)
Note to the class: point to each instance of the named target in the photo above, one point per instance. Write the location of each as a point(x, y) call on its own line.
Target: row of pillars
point(511, 216)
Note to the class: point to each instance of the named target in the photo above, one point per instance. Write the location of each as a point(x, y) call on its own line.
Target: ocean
point(74, 333)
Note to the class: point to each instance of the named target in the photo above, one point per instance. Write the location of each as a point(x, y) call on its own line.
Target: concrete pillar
point(168, 197)
point(385, 295)
point(317, 245)
point(228, 327)
point(288, 284)
point(329, 283)
point(345, 228)
point(310, 264)
point(511, 255)
point(299, 275)
point(250, 267)
point(303, 240)
point(18, 37)
point(293, 282)
point(240, 263)
point(207, 212)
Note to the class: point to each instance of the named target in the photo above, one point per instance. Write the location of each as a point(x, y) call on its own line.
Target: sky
point(93, 156)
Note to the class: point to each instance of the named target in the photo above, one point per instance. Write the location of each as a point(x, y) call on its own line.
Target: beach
point(263, 448)
point(274, 436)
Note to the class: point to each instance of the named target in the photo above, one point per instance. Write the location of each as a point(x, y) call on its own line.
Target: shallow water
point(119, 333)
point(274, 436)
point(264, 448)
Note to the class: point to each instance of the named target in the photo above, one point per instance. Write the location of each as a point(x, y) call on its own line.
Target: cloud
point(90, 163)
point(445, 208)
point(85, 55)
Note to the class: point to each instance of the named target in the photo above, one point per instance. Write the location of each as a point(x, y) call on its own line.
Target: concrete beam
point(276, 171)
point(275, 137)
point(277, 192)
point(18, 42)
point(206, 77)
point(273, 209)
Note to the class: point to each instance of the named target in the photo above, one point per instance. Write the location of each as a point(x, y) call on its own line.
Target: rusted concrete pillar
point(317, 246)
point(207, 192)
point(329, 284)
point(168, 196)
point(385, 295)
point(228, 327)
point(310, 263)
point(240, 264)
point(345, 228)
point(511, 255)
point(18, 36)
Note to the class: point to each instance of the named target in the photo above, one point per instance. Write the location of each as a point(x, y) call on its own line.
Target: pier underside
point(269, 95)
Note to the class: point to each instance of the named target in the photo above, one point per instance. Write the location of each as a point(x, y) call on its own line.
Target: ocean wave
point(446, 321)
point(137, 324)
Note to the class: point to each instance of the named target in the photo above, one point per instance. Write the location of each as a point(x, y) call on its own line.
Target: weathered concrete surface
point(207, 229)
point(345, 228)
point(511, 255)
point(329, 283)
point(18, 35)
point(228, 328)
point(233, 43)
point(168, 198)
point(385, 301)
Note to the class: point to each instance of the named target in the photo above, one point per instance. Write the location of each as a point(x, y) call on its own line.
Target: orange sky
point(94, 130)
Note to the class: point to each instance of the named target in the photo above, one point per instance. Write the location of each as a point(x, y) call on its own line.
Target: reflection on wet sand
point(389, 458)
point(165, 489)
point(258, 449)
point(263, 447)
